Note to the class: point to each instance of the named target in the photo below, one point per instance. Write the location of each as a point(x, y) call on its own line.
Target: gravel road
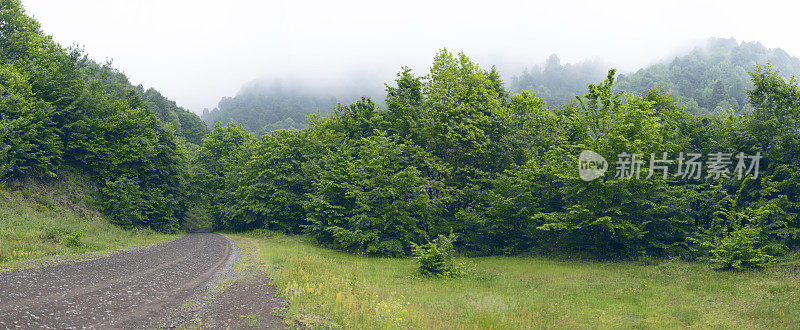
point(135, 289)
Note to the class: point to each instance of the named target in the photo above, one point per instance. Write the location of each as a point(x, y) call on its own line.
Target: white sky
point(197, 51)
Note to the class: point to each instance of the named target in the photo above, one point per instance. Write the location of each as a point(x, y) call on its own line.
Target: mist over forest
point(711, 78)
point(460, 191)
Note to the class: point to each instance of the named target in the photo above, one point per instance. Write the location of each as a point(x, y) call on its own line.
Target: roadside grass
point(40, 220)
point(330, 289)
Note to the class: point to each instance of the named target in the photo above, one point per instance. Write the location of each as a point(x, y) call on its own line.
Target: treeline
point(263, 107)
point(711, 78)
point(60, 110)
point(185, 123)
point(455, 152)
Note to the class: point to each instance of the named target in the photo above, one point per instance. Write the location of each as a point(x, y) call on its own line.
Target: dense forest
point(714, 77)
point(455, 154)
point(61, 111)
point(262, 107)
point(452, 156)
point(185, 123)
point(711, 78)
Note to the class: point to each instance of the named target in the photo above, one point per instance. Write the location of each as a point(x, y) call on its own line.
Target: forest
point(713, 77)
point(260, 109)
point(449, 158)
point(455, 158)
point(61, 111)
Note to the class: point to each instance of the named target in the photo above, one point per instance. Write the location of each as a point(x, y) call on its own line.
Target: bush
point(72, 240)
point(436, 258)
point(738, 251)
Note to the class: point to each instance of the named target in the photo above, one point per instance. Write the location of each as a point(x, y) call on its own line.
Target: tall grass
point(326, 288)
point(39, 219)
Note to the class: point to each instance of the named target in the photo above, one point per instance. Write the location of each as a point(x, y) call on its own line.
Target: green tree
point(371, 197)
point(222, 153)
point(29, 138)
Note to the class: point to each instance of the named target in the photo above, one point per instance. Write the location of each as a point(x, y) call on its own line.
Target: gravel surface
point(243, 298)
point(135, 289)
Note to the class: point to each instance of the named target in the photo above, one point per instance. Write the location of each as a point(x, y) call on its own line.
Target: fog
point(196, 52)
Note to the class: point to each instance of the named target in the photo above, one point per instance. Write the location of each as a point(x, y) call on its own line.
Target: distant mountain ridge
point(186, 123)
point(263, 106)
point(713, 77)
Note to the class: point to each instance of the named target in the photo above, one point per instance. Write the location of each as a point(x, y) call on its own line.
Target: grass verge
point(330, 289)
point(41, 220)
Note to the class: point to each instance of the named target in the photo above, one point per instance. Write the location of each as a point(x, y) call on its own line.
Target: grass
point(330, 289)
point(38, 220)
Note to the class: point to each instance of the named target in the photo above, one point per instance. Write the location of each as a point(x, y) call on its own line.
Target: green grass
point(326, 288)
point(39, 220)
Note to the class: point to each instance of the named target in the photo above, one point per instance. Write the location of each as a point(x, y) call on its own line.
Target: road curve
point(135, 289)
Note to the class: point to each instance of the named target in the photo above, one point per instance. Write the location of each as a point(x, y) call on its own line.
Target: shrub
point(738, 251)
point(72, 240)
point(436, 258)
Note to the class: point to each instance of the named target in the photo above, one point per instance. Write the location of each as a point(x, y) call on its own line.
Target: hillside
point(711, 78)
point(261, 108)
point(186, 123)
point(42, 218)
point(61, 112)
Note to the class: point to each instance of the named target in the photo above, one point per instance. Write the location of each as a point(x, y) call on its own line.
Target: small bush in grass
point(738, 251)
point(72, 240)
point(436, 258)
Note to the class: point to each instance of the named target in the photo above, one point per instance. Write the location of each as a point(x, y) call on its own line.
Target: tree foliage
point(454, 152)
point(59, 109)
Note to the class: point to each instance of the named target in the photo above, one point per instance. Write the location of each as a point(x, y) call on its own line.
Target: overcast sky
point(197, 51)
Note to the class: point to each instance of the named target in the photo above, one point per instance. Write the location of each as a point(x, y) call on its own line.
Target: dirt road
point(135, 289)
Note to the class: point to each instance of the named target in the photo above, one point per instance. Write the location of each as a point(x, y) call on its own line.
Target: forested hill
point(557, 83)
point(712, 77)
point(61, 112)
point(262, 107)
point(186, 123)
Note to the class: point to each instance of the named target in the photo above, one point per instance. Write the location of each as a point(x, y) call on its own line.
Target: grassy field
point(326, 288)
point(40, 220)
